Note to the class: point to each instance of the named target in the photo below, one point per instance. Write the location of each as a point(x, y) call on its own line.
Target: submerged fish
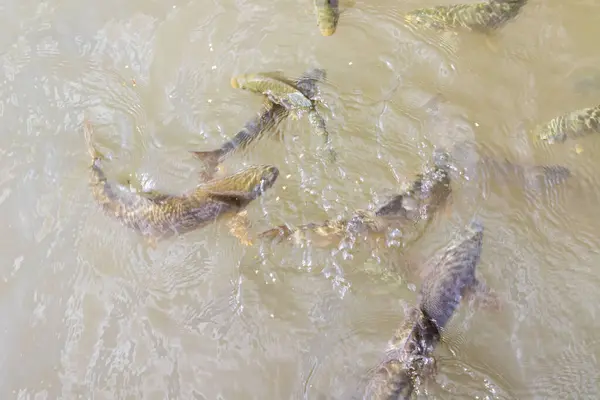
point(419, 202)
point(482, 16)
point(410, 352)
point(452, 277)
point(267, 120)
point(535, 176)
point(406, 358)
point(156, 215)
point(570, 125)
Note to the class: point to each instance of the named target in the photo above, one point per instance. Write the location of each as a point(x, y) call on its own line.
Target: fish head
point(468, 243)
point(328, 15)
point(549, 135)
point(247, 184)
point(257, 179)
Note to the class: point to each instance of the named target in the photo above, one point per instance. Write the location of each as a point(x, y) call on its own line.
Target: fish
point(277, 91)
point(483, 16)
point(267, 120)
point(570, 125)
point(157, 215)
point(391, 381)
point(408, 358)
point(307, 84)
point(452, 277)
point(535, 176)
point(419, 202)
point(328, 15)
point(409, 355)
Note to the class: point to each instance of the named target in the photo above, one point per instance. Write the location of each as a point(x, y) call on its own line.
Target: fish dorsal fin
point(234, 198)
point(274, 75)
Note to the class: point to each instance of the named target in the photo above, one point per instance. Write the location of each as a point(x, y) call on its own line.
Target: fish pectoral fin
point(483, 297)
point(154, 195)
point(151, 241)
point(278, 233)
point(238, 199)
point(238, 227)
point(275, 75)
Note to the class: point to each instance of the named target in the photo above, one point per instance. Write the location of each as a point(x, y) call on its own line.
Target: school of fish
point(445, 282)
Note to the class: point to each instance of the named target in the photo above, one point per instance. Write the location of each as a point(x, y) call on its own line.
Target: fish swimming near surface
point(483, 16)
point(570, 125)
point(295, 95)
point(452, 277)
point(276, 90)
point(328, 15)
point(156, 215)
point(419, 202)
point(267, 120)
point(409, 354)
point(407, 359)
point(537, 177)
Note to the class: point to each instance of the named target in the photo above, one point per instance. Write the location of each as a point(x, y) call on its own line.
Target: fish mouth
point(476, 226)
point(327, 31)
point(267, 179)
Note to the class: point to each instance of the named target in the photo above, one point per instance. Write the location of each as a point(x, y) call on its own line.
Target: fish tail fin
point(211, 159)
point(278, 233)
point(88, 132)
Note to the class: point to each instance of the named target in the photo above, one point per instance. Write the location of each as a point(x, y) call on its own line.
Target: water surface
point(90, 311)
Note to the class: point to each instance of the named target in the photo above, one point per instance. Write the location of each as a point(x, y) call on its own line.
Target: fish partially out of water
point(295, 95)
point(570, 125)
point(267, 120)
point(483, 16)
point(419, 202)
point(277, 91)
point(157, 216)
point(328, 15)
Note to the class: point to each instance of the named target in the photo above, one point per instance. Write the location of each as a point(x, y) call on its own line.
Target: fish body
point(267, 120)
point(452, 276)
point(328, 15)
point(276, 90)
point(391, 380)
point(407, 358)
point(570, 125)
point(409, 355)
point(483, 16)
point(419, 202)
point(535, 176)
point(158, 215)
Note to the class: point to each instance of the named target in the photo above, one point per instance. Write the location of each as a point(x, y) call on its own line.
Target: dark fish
point(537, 176)
point(410, 352)
point(419, 202)
point(570, 125)
point(408, 358)
point(267, 120)
point(482, 16)
point(453, 276)
point(156, 215)
point(391, 380)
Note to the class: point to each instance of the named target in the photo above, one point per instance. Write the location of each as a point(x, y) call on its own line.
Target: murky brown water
point(89, 311)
